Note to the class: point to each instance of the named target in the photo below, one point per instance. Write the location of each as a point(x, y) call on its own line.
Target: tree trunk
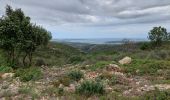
point(24, 63)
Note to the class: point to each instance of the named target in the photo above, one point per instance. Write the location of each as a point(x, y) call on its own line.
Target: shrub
point(5, 69)
point(40, 62)
point(76, 59)
point(105, 75)
point(99, 65)
point(28, 74)
point(145, 46)
point(65, 81)
point(113, 80)
point(90, 88)
point(75, 75)
point(167, 75)
point(157, 95)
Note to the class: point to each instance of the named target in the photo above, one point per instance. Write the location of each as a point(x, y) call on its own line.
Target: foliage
point(157, 95)
point(65, 80)
point(145, 67)
point(40, 62)
point(75, 75)
point(28, 74)
point(90, 88)
point(28, 90)
point(20, 37)
point(98, 65)
point(145, 46)
point(76, 59)
point(158, 34)
point(5, 69)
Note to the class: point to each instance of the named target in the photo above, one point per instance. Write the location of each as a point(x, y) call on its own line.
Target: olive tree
point(158, 35)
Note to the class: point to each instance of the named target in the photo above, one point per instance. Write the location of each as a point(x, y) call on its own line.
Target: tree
point(19, 37)
point(158, 35)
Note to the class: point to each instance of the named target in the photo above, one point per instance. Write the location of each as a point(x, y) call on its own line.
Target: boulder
point(125, 60)
point(7, 75)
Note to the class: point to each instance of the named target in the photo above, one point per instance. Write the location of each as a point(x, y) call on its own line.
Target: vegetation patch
point(75, 75)
point(28, 74)
point(90, 88)
point(5, 69)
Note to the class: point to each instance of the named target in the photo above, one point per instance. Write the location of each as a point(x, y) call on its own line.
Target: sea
point(100, 40)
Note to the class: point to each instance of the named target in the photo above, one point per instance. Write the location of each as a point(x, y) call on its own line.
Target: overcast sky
point(95, 18)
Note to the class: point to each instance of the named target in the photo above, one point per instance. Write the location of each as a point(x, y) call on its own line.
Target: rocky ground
point(43, 89)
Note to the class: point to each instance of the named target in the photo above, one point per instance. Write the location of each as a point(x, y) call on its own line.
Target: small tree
point(19, 37)
point(158, 34)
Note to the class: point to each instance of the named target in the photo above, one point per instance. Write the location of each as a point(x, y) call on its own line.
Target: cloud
point(93, 13)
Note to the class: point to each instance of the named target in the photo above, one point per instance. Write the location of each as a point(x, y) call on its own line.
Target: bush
point(145, 46)
point(75, 75)
point(157, 95)
point(5, 69)
point(40, 62)
point(90, 88)
point(29, 74)
point(65, 80)
point(99, 65)
point(76, 59)
point(167, 75)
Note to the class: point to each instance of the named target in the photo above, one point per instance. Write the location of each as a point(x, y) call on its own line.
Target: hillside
point(65, 72)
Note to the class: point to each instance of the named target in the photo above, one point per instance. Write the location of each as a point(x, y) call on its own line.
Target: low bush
point(75, 75)
point(28, 74)
point(40, 62)
point(89, 88)
point(65, 80)
point(145, 46)
point(5, 69)
point(156, 95)
point(76, 59)
point(99, 65)
point(145, 67)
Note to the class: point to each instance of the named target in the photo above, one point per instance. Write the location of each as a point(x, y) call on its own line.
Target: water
point(99, 41)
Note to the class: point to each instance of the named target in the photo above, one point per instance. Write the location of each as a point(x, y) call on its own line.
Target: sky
point(95, 18)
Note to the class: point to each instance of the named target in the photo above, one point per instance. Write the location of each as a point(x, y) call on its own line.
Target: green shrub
point(105, 75)
point(65, 80)
point(40, 62)
point(167, 75)
point(113, 80)
point(5, 69)
point(29, 74)
point(90, 88)
point(76, 59)
point(145, 67)
point(99, 65)
point(75, 75)
point(156, 95)
point(145, 46)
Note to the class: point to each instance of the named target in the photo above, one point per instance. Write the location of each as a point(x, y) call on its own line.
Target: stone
point(114, 68)
point(7, 75)
point(61, 86)
point(91, 75)
point(71, 88)
point(125, 60)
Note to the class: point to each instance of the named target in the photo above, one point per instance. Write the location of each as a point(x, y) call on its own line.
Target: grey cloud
point(93, 12)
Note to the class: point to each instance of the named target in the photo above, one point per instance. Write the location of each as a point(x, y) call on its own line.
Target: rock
point(125, 60)
point(71, 88)
point(108, 89)
point(61, 86)
point(7, 75)
point(114, 68)
point(91, 75)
